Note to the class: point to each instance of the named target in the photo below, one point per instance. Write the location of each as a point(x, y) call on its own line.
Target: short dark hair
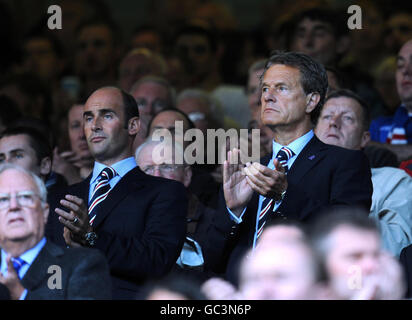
point(366, 117)
point(37, 140)
point(110, 24)
point(321, 229)
point(331, 17)
point(210, 34)
point(131, 109)
point(313, 76)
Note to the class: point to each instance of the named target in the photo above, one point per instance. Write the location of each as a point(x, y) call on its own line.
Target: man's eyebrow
point(16, 150)
point(100, 111)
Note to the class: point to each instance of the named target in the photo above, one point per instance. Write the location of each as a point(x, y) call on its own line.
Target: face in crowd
point(341, 123)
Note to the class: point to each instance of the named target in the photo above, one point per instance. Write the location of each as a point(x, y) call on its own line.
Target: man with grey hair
point(166, 159)
point(32, 267)
point(204, 110)
point(153, 94)
point(348, 244)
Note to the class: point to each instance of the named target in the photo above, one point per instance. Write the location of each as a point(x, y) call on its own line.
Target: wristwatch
point(90, 238)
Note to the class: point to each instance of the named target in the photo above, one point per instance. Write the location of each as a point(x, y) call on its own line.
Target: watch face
point(91, 238)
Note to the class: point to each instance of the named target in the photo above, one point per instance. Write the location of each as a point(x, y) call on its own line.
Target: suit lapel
point(133, 180)
point(38, 269)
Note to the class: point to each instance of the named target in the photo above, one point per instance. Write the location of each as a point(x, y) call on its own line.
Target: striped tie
point(283, 156)
point(18, 263)
point(101, 190)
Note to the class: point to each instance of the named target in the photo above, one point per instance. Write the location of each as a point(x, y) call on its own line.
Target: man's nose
point(14, 204)
point(308, 40)
point(335, 121)
point(157, 172)
point(96, 125)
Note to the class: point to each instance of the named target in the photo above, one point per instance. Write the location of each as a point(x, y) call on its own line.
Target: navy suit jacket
point(141, 228)
point(321, 177)
point(83, 274)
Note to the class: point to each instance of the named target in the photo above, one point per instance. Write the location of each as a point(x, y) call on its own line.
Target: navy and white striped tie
point(100, 192)
point(283, 156)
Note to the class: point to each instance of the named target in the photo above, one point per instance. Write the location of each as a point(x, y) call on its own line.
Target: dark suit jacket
point(406, 262)
point(322, 176)
point(84, 274)
point(141, 228)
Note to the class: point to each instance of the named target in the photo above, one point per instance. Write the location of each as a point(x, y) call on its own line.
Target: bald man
point(136, 220)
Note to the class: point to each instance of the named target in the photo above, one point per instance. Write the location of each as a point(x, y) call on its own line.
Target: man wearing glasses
point(32, 267)
point(198, 248)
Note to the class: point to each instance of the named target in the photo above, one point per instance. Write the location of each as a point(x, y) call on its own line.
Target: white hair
point(41, 187)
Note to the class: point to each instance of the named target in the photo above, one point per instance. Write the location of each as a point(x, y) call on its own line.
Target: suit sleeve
point(90, 277)
point(153, 253)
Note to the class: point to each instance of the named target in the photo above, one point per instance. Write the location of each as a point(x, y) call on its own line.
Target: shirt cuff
point(23, 295)
point(234, 217)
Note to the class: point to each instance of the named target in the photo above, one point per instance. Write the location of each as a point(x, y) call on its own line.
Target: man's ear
point(133, 126)
point(312, 100)
point(45, 166)
point(366, 137)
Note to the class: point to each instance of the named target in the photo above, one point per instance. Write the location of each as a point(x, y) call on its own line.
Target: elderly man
point(27, 258)
point(344, 122)
point(302, 177)
point(161, 159)
point(395, 133)
point(136, 220)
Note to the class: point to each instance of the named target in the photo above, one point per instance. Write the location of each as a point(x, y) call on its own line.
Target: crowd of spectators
point(81, 109)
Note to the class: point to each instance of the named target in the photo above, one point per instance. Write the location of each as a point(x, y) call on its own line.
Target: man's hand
point(76, 220)
point(66, 164)
point(12, 281)
point(267, 182)
point(236, 189)
point(68, 238)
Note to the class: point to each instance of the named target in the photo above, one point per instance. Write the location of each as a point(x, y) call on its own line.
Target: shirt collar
point(27, 256)
point(296, 145)
point(122, 167)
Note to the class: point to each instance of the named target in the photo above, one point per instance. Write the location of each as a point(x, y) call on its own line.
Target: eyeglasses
point(25, 199)
point(163, 168)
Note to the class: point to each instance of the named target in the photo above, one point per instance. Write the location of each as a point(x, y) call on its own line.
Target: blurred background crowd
point(199, 61)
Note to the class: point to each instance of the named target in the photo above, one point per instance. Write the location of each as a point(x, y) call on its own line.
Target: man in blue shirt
point(303, 176)
point(395, 133)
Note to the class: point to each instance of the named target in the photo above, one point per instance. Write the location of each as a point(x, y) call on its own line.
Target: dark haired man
point(347, 243)
point(303, 176)
point(136, 220)
point(97, 54)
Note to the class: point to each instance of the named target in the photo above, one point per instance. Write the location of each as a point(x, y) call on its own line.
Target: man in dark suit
point(303, 176)
point(136, 220)
point(33, 268)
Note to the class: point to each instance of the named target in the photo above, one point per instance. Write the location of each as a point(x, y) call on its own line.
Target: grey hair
point(176, 147)
point(41, 187)
point(158, 80)
point(216, 111)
